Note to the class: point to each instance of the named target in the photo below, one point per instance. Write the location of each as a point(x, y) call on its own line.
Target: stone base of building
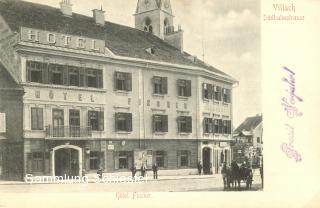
point(79, 157)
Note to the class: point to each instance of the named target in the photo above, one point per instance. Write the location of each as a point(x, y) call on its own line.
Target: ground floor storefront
point(78, 157)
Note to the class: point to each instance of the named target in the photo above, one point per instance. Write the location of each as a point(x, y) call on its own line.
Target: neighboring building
point(103, 95)
point(248, 141)
point(11, 139)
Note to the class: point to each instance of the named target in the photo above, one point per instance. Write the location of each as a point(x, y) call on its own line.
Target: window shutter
point(100, 78)
point(40, 118)
point(188, 85)
point(203, 90)
point(165, 123)
point(210, 125)
point(45, 73)
point(83, 76)
point(153, 123)
point(128, 82)
point(65, 74)
point(164, 85)
point(50, 66)
point(219, 94)
point(33, 118)
point(129, 122)
point(189, 124)
point(220, 126)
point(178, 87)
point(116, 116)
point(28, 71)
point(204, 125)
point(210, 91)
point(101, 120)
point(178, 123)
point(228, 95)
point(229, 127)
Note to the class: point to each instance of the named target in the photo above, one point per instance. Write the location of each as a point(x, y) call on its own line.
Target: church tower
point(155, 16)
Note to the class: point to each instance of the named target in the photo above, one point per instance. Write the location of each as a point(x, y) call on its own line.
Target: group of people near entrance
point(143, 170)
point(233, 175)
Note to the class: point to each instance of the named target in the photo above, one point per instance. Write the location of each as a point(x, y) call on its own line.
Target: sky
point(227, 32)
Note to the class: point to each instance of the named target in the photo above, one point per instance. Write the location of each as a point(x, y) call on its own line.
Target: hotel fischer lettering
point(62, 40)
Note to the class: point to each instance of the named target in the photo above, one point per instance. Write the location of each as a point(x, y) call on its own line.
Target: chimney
point(66, 7)
point(98, 16)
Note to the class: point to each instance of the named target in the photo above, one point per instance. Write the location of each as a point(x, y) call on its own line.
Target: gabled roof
point(249, 124)
point(121, 40)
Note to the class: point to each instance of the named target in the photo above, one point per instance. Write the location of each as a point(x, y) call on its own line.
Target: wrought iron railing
point(68, 131)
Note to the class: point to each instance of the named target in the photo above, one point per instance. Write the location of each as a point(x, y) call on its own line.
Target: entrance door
point(206, 160)
point(66, 162)
point(58, 122)
point(74, 123)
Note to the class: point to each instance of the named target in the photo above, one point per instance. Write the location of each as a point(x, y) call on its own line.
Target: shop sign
point(110, 147)
point(223, 144)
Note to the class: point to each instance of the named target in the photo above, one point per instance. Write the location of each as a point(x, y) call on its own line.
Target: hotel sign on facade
point(62, 40)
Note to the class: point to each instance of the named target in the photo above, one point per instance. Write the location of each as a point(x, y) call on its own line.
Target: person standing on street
point(199, 167)
point(133, 171)
point(143, 170)
point(155, 171)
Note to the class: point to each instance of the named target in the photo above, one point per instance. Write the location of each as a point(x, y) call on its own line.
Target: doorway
point(206, 153)
point(66, 162)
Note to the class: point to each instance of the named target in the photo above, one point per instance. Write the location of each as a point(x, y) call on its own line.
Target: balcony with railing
point(65, 132)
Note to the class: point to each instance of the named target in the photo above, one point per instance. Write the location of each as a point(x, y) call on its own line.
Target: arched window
point(167, 27)
point(147, 25)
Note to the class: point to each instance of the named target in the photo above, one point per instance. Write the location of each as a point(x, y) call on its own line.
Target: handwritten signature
point(288, 149)
point(289, 103)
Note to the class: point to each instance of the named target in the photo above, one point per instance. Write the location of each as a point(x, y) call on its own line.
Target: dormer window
point(147, 25)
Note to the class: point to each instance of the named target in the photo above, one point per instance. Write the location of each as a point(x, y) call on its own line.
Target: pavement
point(149, 178)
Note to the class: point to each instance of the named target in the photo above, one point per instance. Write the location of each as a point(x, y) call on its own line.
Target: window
point(147, 25)
point(74, 76)
point(258, 140)
point(184, 124)
point(184, 88)
point(94, 160)
point(92, 78)
point(218, 126)
point(37, 161)
point(56, 74)
point(160, 85)
point(36, 118)
point(183, 158)
point(207, 125)
point(160, 157)
point(123, 81)
point(226, 95)
point(74, 123)
point(206, 91)
point(217, 93)
point(34, 70)
point(160, 123)
point(123, 122)
point(227, 127)
point(58, 122)
point(96, 120)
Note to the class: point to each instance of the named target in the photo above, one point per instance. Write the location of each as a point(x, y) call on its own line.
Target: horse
point(235, 174)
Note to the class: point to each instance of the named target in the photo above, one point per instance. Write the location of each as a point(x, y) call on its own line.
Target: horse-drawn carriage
point(234, 175)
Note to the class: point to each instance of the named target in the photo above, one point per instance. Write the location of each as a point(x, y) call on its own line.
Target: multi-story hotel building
point(102, 95)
